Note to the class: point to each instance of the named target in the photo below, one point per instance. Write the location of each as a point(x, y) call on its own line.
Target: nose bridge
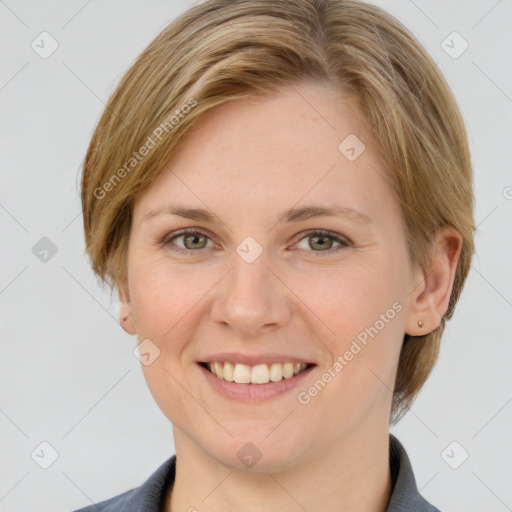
point(251, 295)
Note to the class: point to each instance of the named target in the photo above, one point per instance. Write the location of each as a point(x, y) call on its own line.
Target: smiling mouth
point(257, 374)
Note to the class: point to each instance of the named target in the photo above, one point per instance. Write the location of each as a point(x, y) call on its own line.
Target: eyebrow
point(291, 215)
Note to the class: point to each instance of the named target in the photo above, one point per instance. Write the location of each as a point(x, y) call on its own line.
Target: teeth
point(228, 372)
point(288, 370)
point(219, 370)
point(276, 372)
point(242, 374)
point(258, 374)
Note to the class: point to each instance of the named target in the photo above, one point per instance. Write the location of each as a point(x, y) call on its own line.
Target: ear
point(431, 296)
point(125, 309)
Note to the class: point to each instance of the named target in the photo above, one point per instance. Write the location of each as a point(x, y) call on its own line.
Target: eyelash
point(166, 241)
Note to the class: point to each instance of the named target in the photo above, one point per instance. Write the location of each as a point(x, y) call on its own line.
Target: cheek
point(365, 313)
point(350, 300)
point(164, 313)
point(165, 295)
point(359, 382)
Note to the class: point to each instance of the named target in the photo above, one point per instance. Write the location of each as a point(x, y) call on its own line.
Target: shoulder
point(148, 497)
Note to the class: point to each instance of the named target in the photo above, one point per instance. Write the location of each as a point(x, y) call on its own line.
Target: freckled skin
point(248, 161)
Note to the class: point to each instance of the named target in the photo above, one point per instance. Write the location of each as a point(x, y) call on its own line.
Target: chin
point(257, 452)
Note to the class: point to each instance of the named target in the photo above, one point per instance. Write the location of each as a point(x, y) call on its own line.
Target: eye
point(323, 240)
point(192, 240)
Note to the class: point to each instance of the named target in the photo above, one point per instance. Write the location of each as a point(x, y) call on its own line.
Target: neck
point(351, 474)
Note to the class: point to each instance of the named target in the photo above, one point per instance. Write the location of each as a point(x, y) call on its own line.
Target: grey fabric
point(405, 496)
point(149, 496)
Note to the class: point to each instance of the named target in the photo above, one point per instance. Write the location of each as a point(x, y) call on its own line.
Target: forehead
point(301, 120)
point(306, 140)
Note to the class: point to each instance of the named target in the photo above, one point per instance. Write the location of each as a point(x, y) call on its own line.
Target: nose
point(252, 299)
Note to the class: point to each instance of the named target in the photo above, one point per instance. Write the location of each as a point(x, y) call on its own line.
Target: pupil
point(194, 238)
point(321, 243)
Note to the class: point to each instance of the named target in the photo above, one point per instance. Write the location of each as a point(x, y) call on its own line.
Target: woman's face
point(256, 286)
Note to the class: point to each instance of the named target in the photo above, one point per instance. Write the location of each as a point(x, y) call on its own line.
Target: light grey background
point(68, 375)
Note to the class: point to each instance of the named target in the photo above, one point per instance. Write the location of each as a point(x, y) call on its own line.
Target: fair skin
point(247, 162)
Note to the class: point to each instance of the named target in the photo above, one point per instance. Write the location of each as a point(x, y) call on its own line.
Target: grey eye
point(193, 240)
point(321, 241)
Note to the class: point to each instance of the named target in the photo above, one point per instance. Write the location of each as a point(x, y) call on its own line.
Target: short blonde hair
point(222, 50)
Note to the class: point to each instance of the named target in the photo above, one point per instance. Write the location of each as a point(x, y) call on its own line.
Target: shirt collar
point(405, 495)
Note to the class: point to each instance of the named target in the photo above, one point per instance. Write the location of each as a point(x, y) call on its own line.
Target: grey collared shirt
point(149, 497)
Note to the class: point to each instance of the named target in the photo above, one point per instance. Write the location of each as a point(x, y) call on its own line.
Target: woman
point(281, 194)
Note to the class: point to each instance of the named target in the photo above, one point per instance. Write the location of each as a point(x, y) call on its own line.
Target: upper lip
point(252, 359)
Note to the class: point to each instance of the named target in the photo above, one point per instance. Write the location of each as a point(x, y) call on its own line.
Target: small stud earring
point(420, 323)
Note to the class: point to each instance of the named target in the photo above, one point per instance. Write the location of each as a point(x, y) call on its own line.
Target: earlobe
point(432, 294)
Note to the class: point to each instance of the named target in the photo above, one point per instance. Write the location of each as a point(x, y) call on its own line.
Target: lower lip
point(253, 392)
